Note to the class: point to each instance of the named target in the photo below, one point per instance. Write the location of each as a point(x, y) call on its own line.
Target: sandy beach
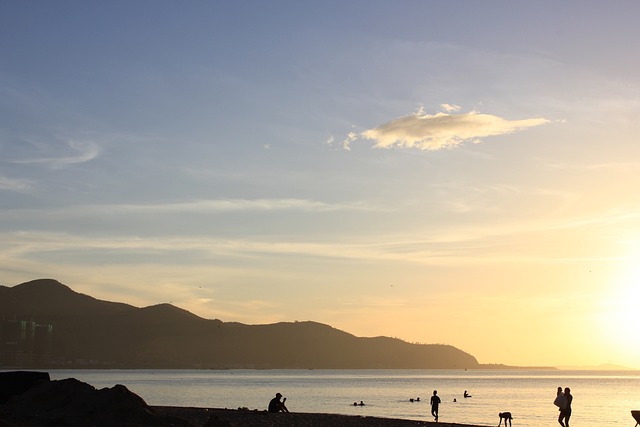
point(199, 417)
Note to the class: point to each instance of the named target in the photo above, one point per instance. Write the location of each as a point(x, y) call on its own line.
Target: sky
point(463, 173)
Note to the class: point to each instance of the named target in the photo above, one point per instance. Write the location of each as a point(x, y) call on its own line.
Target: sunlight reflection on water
point(601, 399)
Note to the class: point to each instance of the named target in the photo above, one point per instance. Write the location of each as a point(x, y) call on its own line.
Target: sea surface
point(601, 398)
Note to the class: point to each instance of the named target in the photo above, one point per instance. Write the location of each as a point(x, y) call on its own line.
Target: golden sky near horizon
point(462, 173)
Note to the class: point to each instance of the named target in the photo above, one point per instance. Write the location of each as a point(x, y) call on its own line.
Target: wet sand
point(199, 417)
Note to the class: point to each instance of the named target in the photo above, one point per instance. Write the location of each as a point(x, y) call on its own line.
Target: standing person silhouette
point(435, 402)
point(561, 403)
point(565, 413)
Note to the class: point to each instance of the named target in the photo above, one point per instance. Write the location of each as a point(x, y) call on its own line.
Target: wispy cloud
point(208, 206)
point(76, 152)
point(440, 130)
point(473, 244)
point(230, 205)
point(16, 185)
point(625, 166)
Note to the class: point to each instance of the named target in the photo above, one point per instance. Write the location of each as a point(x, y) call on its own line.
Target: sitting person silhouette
point(275, 405)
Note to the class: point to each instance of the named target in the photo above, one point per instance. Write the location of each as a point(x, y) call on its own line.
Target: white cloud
point(441, 130)
point(351, 136)
point(449, 108)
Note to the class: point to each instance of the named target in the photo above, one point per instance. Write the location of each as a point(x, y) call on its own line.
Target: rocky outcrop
point(17, 382)
point(72, 403)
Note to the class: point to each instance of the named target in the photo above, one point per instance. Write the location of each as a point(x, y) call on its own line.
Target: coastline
point(200, 417)
point(31, 399)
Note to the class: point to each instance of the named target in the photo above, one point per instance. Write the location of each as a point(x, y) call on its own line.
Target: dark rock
point(17, 382)
point(73, 403)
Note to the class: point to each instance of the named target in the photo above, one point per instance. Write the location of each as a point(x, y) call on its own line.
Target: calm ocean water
point(601, 398)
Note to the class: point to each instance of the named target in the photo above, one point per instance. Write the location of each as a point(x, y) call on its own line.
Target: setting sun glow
point(619, 317)
point(461, 173)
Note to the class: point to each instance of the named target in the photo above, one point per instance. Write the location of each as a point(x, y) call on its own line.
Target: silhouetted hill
point(48, 297)
point(108, 334)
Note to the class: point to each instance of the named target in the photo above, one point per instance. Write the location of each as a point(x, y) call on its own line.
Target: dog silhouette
point(506, 416)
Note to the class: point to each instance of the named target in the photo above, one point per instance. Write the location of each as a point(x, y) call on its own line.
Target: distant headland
point(46, 324)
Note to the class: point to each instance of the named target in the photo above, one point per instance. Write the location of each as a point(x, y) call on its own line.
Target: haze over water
point(459, 172)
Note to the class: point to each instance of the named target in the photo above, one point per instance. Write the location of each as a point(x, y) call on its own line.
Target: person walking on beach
point(435, 402)
point(565, 413)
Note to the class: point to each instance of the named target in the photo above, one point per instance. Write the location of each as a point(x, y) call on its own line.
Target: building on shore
point(25, 343)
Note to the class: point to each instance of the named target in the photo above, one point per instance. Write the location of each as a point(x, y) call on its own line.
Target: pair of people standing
point(563, 402)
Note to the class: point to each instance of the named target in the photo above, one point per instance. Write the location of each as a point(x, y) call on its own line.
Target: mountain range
point(87, 332)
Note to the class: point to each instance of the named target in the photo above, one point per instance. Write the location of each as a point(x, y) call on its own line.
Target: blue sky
point(456, 172)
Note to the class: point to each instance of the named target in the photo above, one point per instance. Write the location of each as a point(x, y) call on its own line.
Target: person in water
point(435, 403)
point(565, 413)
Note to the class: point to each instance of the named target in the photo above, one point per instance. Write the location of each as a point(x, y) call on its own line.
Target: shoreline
point(31, 399)
point(199, 417)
